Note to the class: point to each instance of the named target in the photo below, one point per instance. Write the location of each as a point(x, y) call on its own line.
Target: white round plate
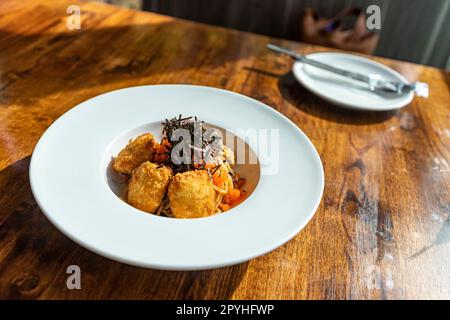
point(69, 182)
point(346, 92)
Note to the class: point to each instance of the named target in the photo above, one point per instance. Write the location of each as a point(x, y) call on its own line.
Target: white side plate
point(346, 92)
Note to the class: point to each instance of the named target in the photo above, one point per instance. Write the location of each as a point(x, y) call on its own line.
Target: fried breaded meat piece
point(148, 186)
point(191, 195)
point(136, 152)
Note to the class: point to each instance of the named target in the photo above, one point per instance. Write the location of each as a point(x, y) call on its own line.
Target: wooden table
point(382, 230)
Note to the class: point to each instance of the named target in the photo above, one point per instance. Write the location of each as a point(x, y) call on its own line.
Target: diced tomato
point(234, 197)
point(161, 151)
point(224, 207)
point(166, 143)
point(197, 165)
point(234, 194)
point(210, 165)
point(218, 178)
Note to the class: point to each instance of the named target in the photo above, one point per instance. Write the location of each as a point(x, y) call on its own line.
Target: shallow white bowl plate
point(69, 181)
point(346, 92)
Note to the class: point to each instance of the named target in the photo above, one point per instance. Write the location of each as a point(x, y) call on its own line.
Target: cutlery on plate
point(373, 81)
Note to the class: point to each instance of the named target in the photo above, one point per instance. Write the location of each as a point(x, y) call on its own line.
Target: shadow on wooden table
point(300, 97)
point(34, 257)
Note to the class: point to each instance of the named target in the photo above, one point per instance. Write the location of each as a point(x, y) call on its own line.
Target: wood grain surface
point(382, 230)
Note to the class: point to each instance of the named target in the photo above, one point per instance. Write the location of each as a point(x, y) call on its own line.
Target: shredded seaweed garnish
point(191, 124)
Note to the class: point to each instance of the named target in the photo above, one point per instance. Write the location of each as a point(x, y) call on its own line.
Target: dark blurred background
point(411, 30)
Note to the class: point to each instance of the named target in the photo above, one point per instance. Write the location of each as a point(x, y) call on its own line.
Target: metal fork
point(373, 81)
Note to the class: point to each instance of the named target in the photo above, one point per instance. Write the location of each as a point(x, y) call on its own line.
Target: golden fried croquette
point(191, 195)
point(136, 152)
point(148, 186)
